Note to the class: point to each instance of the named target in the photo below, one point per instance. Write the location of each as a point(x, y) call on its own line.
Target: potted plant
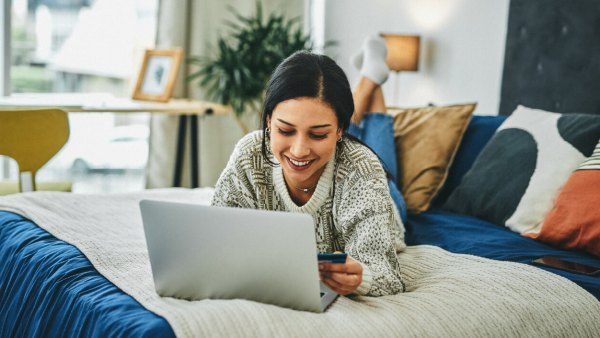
point(246, 56)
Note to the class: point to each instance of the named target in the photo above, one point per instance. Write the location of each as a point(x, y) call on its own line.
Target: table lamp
point(403, 54)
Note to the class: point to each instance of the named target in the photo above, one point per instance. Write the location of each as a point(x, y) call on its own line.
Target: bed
point(100, 285)
point(77, 265)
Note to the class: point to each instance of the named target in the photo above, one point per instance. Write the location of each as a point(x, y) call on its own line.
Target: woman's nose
point(300, 148)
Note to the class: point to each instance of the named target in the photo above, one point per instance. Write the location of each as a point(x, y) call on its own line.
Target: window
point(86, 46)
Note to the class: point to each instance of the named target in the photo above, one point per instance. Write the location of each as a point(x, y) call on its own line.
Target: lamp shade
point(403, 52)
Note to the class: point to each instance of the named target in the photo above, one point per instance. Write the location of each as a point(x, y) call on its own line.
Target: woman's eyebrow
point(312, 127)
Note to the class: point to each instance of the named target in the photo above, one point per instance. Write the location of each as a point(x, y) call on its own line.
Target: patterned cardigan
point(351, 206)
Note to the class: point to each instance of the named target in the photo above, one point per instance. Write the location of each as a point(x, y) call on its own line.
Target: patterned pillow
point(516, 177)
point(426, 142)
point(574, 221)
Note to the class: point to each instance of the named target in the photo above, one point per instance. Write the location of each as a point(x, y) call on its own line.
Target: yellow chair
point(32, 138)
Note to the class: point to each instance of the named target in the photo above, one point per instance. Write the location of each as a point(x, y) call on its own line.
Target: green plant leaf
point(245, 57)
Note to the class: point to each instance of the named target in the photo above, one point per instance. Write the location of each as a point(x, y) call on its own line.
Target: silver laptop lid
point(199, 252)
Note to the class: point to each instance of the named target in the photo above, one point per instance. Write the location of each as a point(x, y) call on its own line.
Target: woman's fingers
point(337, 287)
point(348, 267)
point(342, 278)
point(349, 280)
point(351, 267)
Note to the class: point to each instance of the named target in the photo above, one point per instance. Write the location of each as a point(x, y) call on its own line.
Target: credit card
point(332, 257)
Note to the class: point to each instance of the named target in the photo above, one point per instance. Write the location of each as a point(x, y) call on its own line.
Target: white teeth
point(299, 164)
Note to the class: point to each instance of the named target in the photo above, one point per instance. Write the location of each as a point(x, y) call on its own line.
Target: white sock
point(357, 59)
point(374, 66)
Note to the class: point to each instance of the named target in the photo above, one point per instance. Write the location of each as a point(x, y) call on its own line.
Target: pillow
point(426, 141)
point(515, 179)
point(574, 221)
point(479, 131)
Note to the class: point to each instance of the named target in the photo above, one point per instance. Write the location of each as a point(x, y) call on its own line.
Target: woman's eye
point(318, 136)
point(292, 132)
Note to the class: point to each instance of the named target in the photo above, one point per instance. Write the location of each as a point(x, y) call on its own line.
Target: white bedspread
point(447, 294)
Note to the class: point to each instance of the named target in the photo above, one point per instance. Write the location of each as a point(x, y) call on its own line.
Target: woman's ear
point(269, 122)
point(339, 134)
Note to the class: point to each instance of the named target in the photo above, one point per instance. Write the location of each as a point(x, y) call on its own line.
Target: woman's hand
point(342, 278)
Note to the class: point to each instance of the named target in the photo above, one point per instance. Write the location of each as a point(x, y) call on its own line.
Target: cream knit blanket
point(448, 295)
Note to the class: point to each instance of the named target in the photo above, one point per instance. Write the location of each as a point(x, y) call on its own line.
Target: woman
point(303, 161)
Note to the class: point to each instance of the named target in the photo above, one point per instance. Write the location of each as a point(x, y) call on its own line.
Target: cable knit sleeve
point(372, 232)
point(235, 186)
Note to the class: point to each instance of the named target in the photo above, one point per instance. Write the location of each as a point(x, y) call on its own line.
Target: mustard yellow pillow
point(426, 142)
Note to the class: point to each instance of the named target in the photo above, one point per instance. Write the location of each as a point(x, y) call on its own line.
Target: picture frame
point(157, 75)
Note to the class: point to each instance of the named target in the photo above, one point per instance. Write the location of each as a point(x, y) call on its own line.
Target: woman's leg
point(368, 97)
point(374, 72)
point(363, 97)
point(377, 101)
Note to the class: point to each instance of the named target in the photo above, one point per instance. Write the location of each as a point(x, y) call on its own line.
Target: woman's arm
point(227, 191)
point(373, 233)
point(234, 187)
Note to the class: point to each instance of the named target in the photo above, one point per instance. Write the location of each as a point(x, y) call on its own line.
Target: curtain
point(173, 31)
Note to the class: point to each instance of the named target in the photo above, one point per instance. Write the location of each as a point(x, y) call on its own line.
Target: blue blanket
point(49, 288)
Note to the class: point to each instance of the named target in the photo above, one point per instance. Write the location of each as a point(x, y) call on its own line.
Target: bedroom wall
point(462, 47)
point(461, 57)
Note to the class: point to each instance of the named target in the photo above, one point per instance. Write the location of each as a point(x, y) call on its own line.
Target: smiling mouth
point(299, 164)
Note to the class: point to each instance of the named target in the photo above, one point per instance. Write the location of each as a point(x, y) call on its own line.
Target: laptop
point(205, 252)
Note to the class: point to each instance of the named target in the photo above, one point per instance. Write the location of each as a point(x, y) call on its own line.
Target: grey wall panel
point(552, 57)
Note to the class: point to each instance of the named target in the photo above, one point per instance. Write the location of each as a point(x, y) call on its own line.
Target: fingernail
point(321, 267)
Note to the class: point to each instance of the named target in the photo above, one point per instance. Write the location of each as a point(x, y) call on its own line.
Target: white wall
point(462, 47)
point(5, 51)
point(461, 57)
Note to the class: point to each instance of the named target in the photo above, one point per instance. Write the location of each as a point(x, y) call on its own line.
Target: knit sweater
point(351, 206)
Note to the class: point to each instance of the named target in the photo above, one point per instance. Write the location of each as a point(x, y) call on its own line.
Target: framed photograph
point(158, 74)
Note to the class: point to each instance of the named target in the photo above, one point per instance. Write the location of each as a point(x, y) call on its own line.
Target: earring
point(340, 139)
point(268, 130)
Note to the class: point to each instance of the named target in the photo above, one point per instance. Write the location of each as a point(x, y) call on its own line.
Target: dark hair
point(304, 74)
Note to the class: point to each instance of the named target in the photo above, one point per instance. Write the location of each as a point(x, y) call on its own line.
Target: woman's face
point(304, 132)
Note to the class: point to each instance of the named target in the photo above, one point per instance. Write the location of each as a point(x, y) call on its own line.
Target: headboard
point(552, 57)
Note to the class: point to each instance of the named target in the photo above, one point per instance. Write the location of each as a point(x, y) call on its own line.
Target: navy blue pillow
point(479, 131)
point(377, 131)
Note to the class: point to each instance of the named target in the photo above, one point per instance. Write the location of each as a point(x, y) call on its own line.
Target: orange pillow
point(426, 141)
point(574, 221)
